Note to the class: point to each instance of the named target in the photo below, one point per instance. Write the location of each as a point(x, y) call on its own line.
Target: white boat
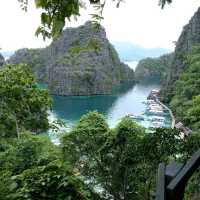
point(156, 125)
point(155, 108)
point(138, 117)
point(150, 102)
point(157, 119)
point(155, 92)
point(154, 104)
point(156, 112)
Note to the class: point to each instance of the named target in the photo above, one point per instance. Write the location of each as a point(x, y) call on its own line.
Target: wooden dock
point(154, 96)
point(170, 112)
point(185, 131)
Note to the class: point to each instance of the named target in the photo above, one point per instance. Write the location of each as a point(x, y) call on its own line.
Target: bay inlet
point(125, 100)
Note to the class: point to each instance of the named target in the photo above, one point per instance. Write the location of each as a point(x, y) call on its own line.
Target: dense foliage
point(31, 168)
point(122, 162)
point(184, 98)
point(52, 181)
point(154, 67)
point(119, 163)
point(22, 104)
point(93, 161)
point(185, 101)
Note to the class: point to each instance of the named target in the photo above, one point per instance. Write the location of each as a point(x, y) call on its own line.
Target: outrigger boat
point(156, 112)
point(157, 125)
point(155, 92)
point(137, 117)
point(149, 102)
point(156, 107)
point(157, 119)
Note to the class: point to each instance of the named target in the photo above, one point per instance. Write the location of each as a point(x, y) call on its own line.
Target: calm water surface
point(125, 100)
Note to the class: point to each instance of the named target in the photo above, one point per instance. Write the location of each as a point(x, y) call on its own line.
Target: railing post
point(160, 186)
point(177, 186)
point(172, 179)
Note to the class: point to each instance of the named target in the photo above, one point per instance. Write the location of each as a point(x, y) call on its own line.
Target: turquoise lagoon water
point(125, 100)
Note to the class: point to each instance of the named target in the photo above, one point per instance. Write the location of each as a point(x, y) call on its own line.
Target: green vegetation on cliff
point(189, 38)
point(92, 45)
point(185, 100)
point(151, 67)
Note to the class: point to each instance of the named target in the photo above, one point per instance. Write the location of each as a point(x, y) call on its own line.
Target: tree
point(22, 104)
point(17, 155)
point(108, 159)
point(161, 145)
point(121, 162)
point(31, 168)
point(54, 181)
point(193, 113)
point(86, 138)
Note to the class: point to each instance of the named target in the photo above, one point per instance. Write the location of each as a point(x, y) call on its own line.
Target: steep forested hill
point(189, 37)
point(186, 99)
point(150, 67)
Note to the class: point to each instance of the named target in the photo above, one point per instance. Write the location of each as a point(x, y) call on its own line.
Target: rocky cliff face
point(189, 37)
point(80, 62)
point(151, 67)
point(2, 60)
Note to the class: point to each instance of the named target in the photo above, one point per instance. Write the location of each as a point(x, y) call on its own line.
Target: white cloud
point(140, 22)
point(144, 22)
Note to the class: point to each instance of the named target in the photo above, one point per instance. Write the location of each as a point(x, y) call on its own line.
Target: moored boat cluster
point(155, 115)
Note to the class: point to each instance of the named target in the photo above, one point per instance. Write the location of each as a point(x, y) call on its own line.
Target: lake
point(126, 99)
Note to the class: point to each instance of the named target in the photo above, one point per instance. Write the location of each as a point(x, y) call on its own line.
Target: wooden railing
point(172, 178)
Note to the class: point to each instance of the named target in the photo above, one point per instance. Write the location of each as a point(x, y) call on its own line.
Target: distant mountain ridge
point(129, 52)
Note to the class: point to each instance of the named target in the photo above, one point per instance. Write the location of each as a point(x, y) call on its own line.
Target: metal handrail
point(172, 178)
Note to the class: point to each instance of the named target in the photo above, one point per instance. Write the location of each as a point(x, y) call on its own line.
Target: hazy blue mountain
point(128, 51)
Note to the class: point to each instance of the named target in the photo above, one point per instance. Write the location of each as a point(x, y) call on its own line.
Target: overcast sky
point(140, 22)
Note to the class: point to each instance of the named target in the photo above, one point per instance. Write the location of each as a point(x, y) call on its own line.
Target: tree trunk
point(17, 128)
